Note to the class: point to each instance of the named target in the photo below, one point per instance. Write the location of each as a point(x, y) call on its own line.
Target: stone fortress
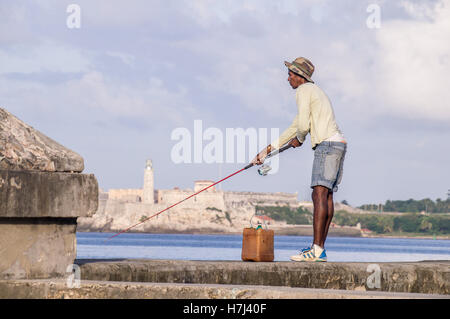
point(212, 210)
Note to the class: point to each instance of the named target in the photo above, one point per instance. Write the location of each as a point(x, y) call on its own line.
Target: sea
point(92, 245)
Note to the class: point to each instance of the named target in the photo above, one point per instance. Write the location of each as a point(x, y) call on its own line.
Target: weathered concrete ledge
point(418, 277)
point(42, 193)
point(47, 194)
point(57, 289)
point(38, 214)
point(24, 148)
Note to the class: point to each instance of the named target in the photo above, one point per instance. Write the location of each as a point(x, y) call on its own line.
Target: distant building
point(148, 193)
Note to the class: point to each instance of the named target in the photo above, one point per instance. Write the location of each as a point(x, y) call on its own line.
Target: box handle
point(259, 224)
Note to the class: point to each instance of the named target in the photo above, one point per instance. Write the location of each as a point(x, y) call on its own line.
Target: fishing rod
point(262, 172)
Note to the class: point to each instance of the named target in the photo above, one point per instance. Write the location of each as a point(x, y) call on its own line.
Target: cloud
point(245, 46)
point(422, 10)
point(149, 99)
point(397, 69)
point(44, 57)
point(241, 49)
point(413, 62)
point(127, 59)
point(96, 92)
point(13, 24)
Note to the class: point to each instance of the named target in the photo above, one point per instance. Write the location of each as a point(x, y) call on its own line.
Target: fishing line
point(237, 172)
point(154, 215)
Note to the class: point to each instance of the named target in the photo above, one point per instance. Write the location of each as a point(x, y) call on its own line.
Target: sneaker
point(306, 249)
point(303, 250)
point(316, 253)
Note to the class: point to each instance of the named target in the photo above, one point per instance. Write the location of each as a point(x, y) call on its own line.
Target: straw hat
point(301, 66)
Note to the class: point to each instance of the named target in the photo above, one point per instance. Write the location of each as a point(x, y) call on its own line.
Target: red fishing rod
point(237, 172)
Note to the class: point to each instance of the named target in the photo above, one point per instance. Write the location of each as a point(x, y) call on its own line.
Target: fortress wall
point(212, 199)
point(262, 198)
point(207, 198)
point(172, 196)
point(199, 185)
point(204, 199)
point(125, 194)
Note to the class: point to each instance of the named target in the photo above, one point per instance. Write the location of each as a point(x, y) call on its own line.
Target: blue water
point(228, 247)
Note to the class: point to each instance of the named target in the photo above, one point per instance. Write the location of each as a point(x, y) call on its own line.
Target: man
point(315, 116)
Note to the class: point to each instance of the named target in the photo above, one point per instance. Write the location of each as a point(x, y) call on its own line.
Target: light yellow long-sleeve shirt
point(315, 116)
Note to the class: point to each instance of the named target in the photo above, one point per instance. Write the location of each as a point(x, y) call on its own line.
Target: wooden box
point(257, 245)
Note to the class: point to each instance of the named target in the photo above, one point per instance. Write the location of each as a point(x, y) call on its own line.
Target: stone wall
point(42, 193)
point(416, 277)
point(208, 198)
point(268, 199)
point(126, 194)
point(203, 199)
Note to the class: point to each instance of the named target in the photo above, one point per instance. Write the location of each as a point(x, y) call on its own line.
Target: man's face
point(294, 79)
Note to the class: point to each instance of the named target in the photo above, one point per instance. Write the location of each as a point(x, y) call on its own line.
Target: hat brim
point(297, 70)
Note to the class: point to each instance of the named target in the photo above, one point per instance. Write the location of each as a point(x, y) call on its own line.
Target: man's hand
point(259, 159)
point(295, 142)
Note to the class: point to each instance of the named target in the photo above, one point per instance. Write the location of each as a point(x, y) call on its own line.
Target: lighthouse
point(148, 192)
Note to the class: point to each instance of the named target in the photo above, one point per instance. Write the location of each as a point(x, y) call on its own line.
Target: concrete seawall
point(58, 289)
point(42, 193)
point(417, 277)
point(178, 279)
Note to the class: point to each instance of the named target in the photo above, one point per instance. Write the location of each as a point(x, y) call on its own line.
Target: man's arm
point(298, 129)
point(259, 159)
point(303, 97)
point(286, 136)
point(301, 124)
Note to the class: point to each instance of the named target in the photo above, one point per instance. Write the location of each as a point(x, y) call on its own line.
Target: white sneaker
point(316, 253)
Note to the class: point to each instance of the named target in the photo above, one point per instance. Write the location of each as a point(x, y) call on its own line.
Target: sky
point(113, 80)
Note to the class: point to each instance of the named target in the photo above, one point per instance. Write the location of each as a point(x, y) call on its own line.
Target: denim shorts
point(328, 164)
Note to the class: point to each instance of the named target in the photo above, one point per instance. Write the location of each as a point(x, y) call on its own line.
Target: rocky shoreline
point(407, 237)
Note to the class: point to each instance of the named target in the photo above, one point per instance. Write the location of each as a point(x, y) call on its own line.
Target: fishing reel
point(264, 169)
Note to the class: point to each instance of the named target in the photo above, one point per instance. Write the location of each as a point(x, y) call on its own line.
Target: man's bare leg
point(320, 221)
point(329, 217)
